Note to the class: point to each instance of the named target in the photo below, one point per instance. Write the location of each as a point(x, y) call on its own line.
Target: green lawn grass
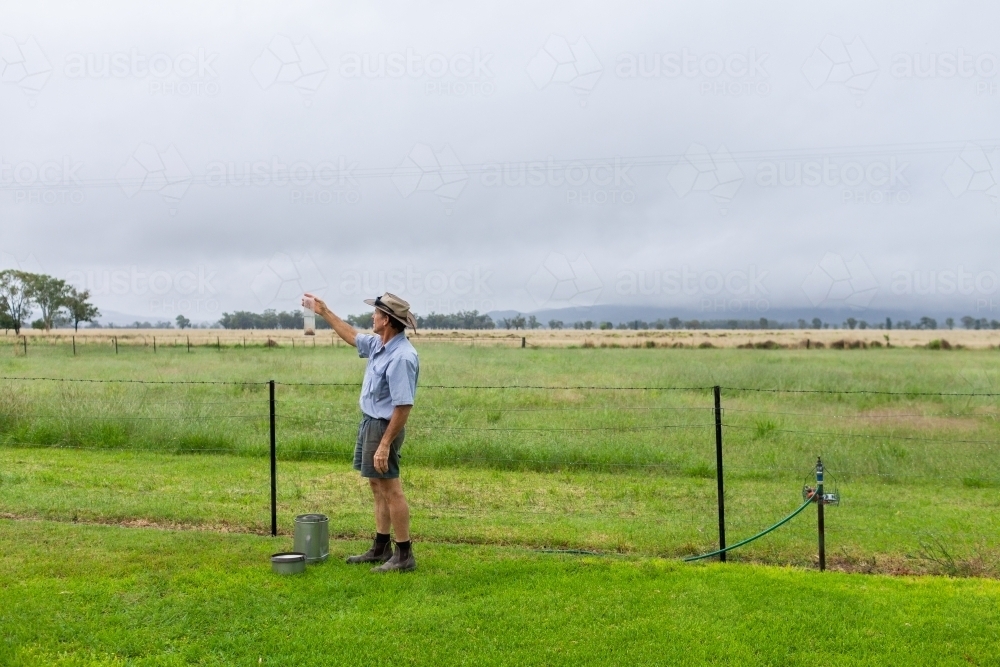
point(880, 528)
point(94, 595)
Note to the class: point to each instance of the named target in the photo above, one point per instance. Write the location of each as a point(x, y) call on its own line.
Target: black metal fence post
point(718, 471)
point(24, 339)
point(819, 514)
point(74, 346)
point(274, 468)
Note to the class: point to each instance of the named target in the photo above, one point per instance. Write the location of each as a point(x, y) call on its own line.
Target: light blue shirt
point(391, 374)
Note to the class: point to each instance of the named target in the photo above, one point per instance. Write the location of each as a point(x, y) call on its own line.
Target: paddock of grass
point(550, 447)
point(136, 513)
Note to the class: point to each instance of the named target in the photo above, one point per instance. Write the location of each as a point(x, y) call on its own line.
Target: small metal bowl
point(290, 562)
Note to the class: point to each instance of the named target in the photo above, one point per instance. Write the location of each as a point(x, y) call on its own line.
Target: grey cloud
point(481, 152)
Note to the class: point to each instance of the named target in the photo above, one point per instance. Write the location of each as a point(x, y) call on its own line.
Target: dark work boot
point(400, 562)
point(379, 553)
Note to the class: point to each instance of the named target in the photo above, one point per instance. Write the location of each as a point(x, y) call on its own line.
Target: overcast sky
point(195, 158)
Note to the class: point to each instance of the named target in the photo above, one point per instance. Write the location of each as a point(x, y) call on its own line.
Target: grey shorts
point(370, 433)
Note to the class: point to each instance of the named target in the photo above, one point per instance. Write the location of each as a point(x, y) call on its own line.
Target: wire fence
point(666, 457)
point(129, 340)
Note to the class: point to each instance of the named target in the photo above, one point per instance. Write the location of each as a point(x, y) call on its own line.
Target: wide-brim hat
point(394, 307)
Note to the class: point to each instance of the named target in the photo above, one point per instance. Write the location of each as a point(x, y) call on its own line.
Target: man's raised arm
point(343, 329)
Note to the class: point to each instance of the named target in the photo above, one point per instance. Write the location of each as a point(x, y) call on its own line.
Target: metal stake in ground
point(274, 468)
point(718, 472)
point(821, 500)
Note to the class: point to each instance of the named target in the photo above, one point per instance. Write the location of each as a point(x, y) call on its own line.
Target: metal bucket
point(288, 563)
point(312, 536)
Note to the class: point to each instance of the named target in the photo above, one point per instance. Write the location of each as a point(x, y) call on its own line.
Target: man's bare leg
point(397, 512)
point(383, 518)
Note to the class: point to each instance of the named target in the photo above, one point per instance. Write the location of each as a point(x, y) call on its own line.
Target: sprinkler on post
point(821, 499)
point(809, 492)
point(819, 513)
point(809, 495)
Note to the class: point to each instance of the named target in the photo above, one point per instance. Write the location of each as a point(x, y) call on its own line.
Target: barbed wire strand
point(126, 417)
point(128, 381)
point(857, 416)
point(861, 391)
point(514, 428)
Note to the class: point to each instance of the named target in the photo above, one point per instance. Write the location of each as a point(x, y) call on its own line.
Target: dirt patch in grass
point(910, 421)
point(214, 527)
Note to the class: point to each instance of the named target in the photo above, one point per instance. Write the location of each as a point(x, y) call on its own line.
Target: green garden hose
point(760, 534)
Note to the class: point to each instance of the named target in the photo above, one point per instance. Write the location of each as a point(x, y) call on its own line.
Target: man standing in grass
point(387, 395)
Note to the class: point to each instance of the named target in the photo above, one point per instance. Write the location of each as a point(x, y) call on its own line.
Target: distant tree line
point(531, 322)
point(271, 319)
point(464, 319)
point(362, 321)
point(161, 324)
point(23, 294)
point(968, 322)
point(520, 322)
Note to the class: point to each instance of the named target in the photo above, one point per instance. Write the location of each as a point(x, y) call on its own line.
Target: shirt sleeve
point(364, 343)
point(402, 377)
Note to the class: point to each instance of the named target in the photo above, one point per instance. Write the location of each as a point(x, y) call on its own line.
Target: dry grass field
point(541, 338)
